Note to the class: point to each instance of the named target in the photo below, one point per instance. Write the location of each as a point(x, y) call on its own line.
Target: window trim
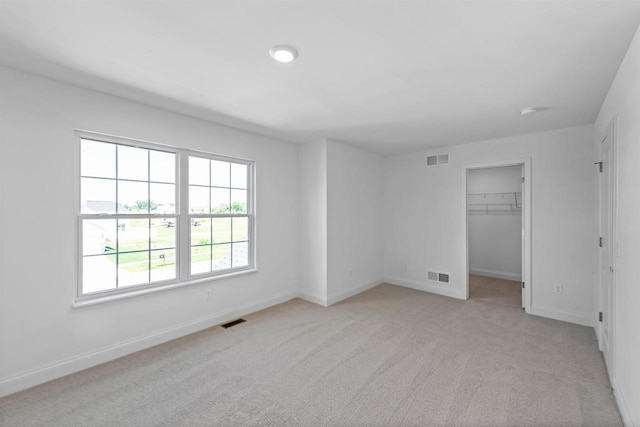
point(183, 219)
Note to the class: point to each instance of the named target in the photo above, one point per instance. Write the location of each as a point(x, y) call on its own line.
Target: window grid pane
point(221, 255)
point(240, 254)
point(98, 159)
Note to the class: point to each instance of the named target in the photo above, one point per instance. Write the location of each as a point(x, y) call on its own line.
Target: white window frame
point(249, 214)
point(183, 222)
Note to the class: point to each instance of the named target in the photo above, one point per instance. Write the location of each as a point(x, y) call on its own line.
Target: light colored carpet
point(389, 356)
point(498, 291)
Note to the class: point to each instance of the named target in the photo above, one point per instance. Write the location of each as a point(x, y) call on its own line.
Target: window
point(133, 232)
point(218, 202)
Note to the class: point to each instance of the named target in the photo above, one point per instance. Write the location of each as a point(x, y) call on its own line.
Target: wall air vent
point(443, 159)
point(434, 276)
point(232, 323)
point(438, 159)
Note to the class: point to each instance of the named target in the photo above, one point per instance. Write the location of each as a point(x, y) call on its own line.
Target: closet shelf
point(494, 203)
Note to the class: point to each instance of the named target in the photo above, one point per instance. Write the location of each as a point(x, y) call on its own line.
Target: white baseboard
point(444, 290)
point(59, 369)
point(495, 274)
point(314, 298)
point(623, 407)
point(351, 292)
point(565, 316)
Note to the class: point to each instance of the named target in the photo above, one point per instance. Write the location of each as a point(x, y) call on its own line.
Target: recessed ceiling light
point(528, 111)
point(283, 53)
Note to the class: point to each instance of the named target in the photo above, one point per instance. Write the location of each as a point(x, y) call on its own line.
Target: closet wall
point(494, 209)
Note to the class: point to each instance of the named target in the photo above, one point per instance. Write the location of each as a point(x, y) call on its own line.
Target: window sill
point(134, 293)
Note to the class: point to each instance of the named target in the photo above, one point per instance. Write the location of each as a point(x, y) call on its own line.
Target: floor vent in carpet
point(232, 323)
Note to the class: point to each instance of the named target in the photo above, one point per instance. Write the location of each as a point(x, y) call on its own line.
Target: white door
point(606, 246)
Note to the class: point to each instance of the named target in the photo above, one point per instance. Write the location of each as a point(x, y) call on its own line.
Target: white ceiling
point(388, 76)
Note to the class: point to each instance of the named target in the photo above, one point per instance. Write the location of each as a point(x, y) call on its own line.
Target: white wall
point(355, 242)
point(623, 100)
point(495, 235)
point(312, 226)
point(424, 216)
point(340, 221)
point(41, 335)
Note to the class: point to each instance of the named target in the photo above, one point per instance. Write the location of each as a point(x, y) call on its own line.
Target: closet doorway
point(497, 223)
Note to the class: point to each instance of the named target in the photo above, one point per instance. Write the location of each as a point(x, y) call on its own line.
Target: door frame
point(613, 129)
point(526, 219)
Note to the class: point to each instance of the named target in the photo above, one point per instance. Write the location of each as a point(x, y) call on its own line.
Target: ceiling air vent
point(438, 159)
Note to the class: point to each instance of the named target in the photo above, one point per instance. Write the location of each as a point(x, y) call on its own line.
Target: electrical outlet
point(558, 289)
point(350, 272)
point(405, 265)
point(208, 294)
